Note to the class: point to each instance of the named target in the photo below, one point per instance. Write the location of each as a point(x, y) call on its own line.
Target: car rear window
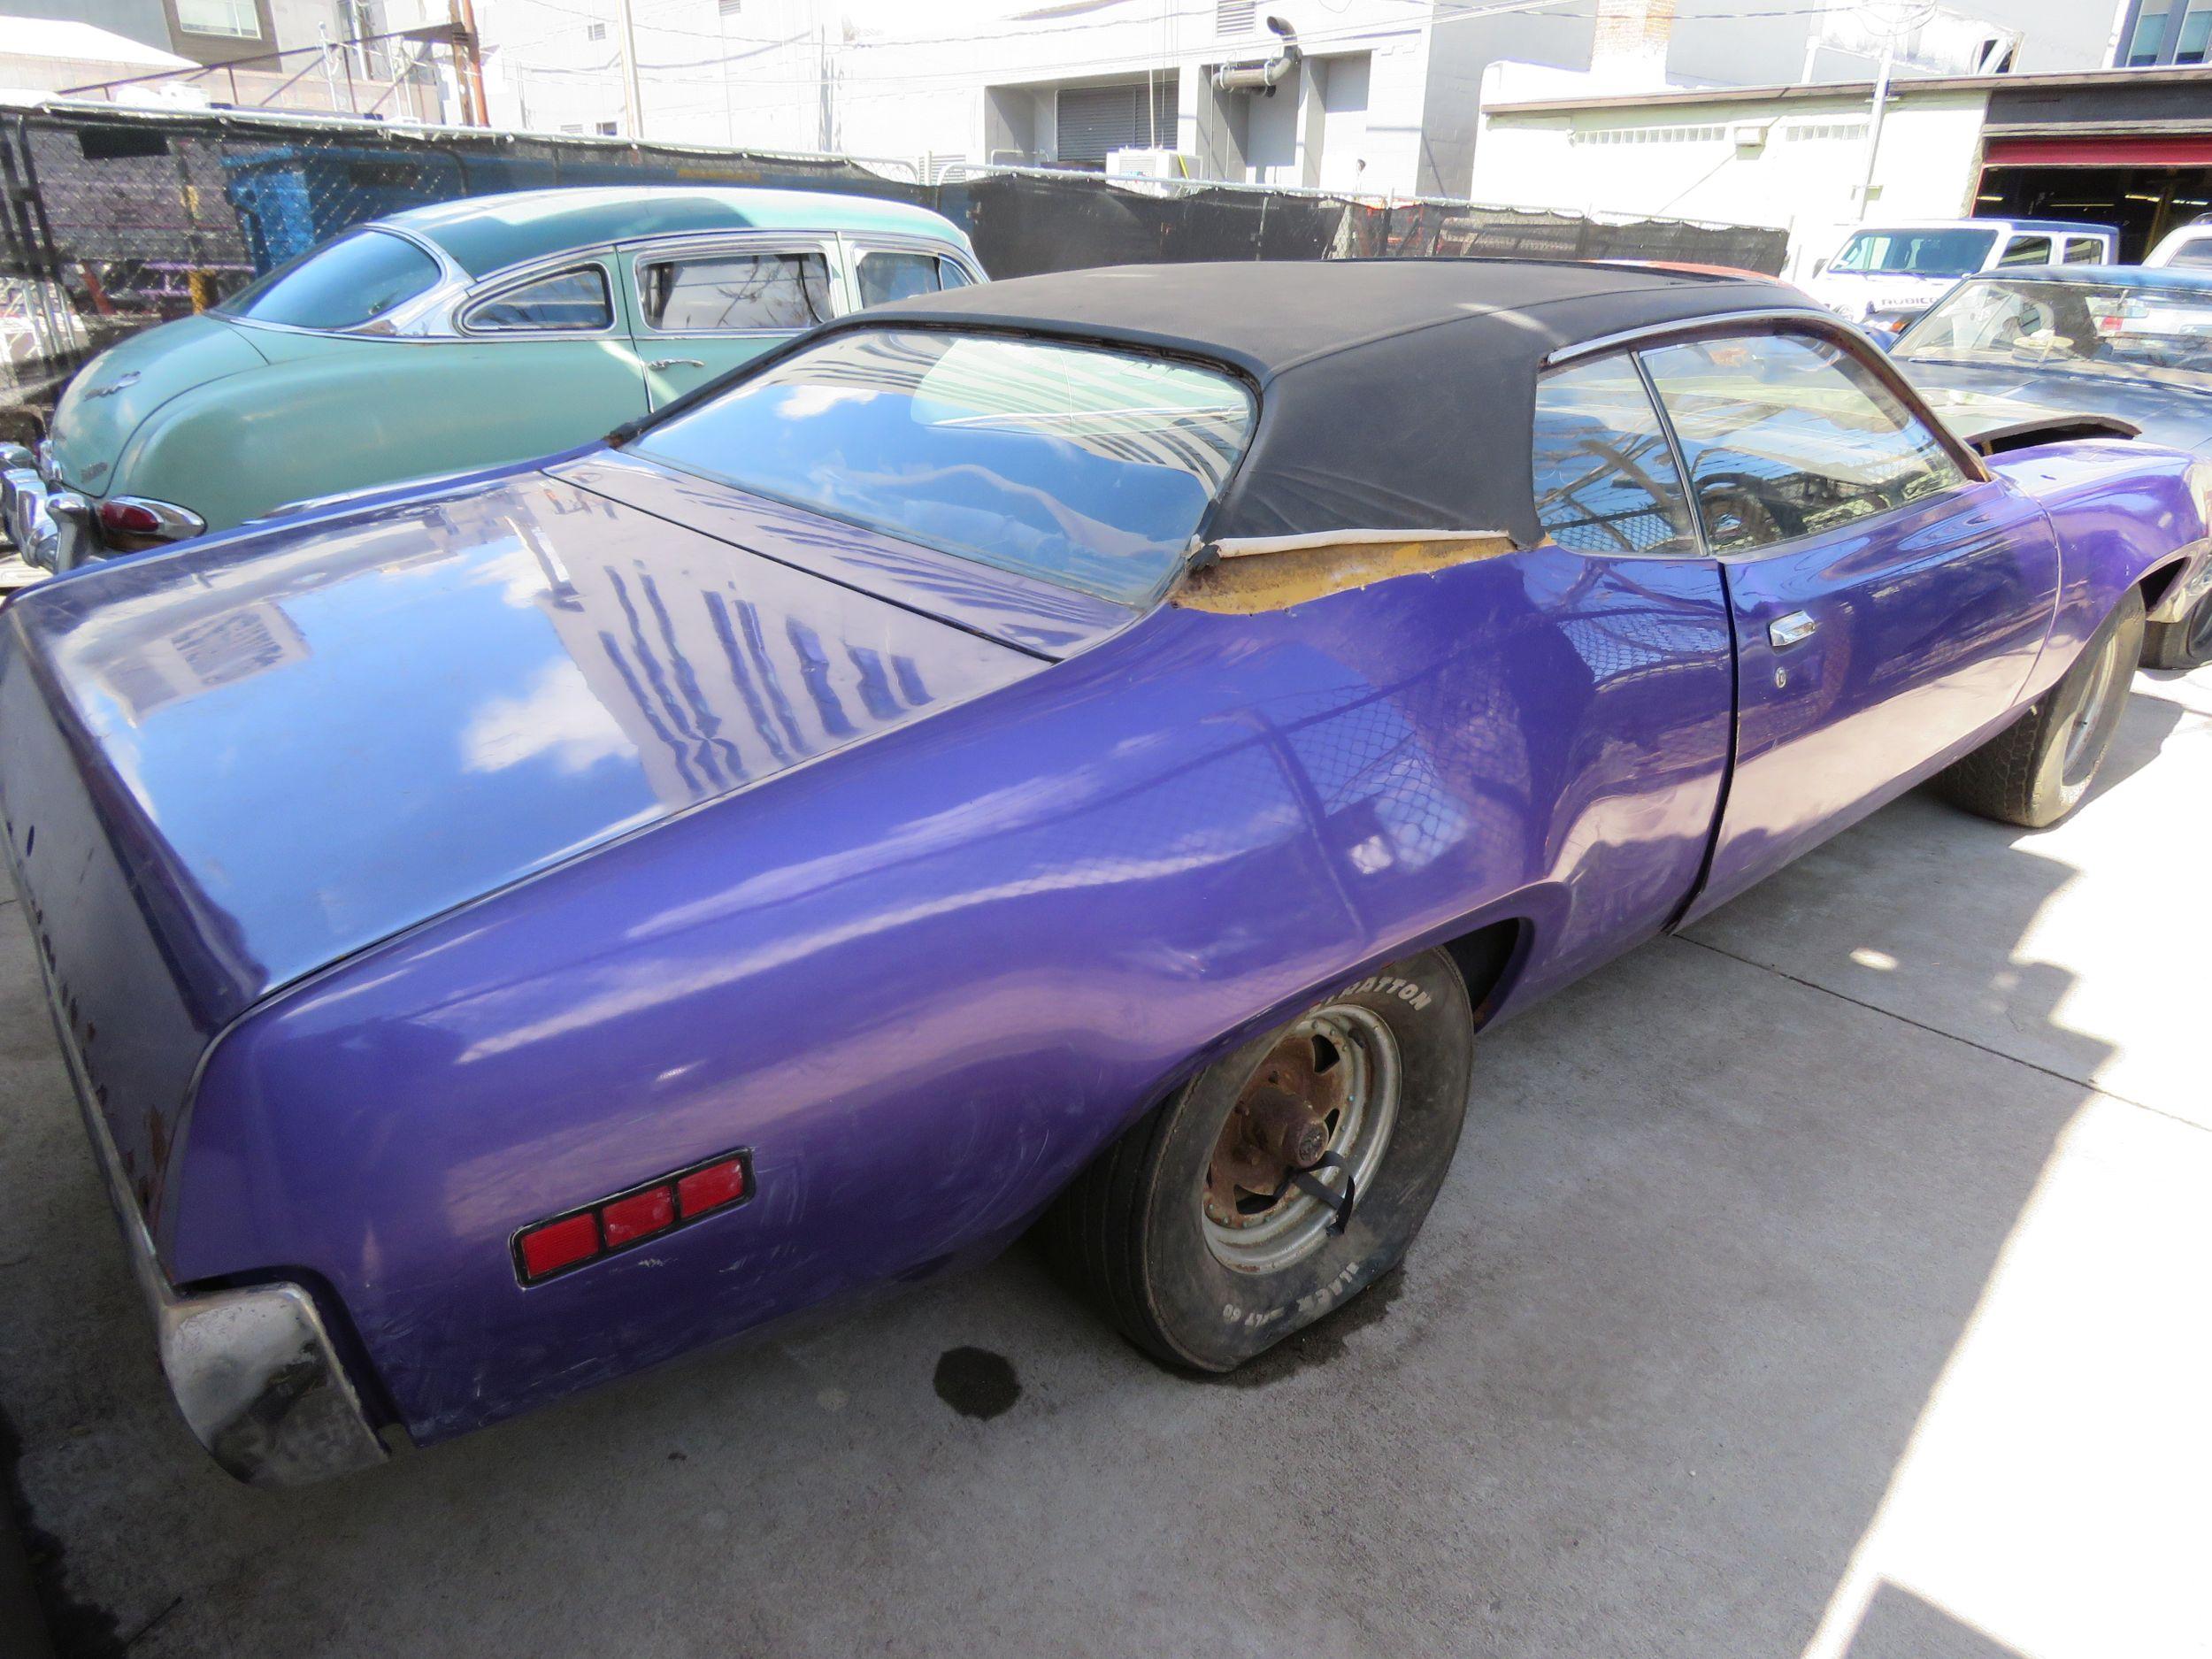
point(1083, 466)
point(344, 284)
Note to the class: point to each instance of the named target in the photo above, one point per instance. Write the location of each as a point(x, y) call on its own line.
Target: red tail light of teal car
point(547, 1249)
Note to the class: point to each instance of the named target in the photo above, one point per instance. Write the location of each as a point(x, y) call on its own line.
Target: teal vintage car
point(461, 335)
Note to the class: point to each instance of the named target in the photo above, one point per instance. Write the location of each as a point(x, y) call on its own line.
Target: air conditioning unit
point(1750, 134)
point(1153, 163)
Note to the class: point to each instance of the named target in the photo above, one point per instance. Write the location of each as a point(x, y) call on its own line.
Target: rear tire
point(1171, 1232)
point(2039, 768)
point(2186, 643)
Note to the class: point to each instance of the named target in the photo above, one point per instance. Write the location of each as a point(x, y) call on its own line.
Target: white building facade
point(978, 81)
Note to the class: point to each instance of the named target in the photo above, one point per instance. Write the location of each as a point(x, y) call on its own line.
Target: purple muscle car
point(1090, 750)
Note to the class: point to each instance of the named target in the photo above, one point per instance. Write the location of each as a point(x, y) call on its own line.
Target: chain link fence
point(115, 219)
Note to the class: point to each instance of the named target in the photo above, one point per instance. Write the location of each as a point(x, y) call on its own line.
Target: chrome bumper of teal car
point(253, 1370)
point(50, 540)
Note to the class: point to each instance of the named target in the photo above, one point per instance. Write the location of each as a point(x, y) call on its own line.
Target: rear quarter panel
point(337, 413)
point(926, 981)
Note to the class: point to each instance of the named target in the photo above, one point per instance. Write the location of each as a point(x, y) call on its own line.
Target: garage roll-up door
point(2149, 149)
point(1096, 119)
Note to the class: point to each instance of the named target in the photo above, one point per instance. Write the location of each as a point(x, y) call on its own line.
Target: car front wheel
point(2185, 642)
point(1283, 1179)
point(2039, 768)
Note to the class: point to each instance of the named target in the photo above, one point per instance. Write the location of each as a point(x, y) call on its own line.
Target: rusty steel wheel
point(1330, 1084)
point(1282, 1180)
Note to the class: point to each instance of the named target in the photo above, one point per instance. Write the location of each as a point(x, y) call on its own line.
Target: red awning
point(2163, 149)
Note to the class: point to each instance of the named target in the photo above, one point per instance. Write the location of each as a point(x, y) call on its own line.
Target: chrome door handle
point(675, 362)
point(1796, 628)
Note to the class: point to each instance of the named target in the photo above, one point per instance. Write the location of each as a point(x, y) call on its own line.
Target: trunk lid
point(113, 394)
point(286, 746)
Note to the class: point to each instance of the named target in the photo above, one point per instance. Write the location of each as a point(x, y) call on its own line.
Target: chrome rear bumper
point(253, 1370)
point(49, 540)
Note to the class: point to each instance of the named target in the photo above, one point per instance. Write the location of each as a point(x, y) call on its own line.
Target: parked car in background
point(475, 331)
point(1883, 276)
point(2026, 355)
point(1095, 747)
point(2185, 245)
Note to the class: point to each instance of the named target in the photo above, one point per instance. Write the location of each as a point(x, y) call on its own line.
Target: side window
point(2084, 250)
point(2027, 251)
point(884, 275)
point(568, 301)
point(725, 292)
point(2195, 253)
point(1605, 479)
point(1787, 436)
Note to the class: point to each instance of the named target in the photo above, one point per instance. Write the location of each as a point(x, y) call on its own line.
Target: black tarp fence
point(113, 220)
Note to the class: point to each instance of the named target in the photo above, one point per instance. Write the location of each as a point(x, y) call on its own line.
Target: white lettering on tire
point(1390, 985)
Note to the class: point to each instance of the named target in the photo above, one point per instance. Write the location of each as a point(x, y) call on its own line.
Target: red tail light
point(545, 1249)
point(635, 1216)
point(559, 1244)
point(706, 1189)
point(132, 523)
point(129, 519)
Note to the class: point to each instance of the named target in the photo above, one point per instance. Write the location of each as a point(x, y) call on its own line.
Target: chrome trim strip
point(1650, 332)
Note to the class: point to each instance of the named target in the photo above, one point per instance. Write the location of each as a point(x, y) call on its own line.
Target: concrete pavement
point(1832, 1281)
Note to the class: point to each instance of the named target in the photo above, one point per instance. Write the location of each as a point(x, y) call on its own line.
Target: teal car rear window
point(1082, 465)
point(342, 284)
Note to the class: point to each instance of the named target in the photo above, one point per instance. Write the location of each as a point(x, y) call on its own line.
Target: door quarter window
point(1788, 435)
point(734, 293)
point(567, 302)
point(1605, 478)
point(884, 274)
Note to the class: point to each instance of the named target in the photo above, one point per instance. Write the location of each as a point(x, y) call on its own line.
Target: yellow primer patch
point(1246, 582)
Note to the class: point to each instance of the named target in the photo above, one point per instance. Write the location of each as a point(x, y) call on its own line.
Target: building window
point(1649, 135)
point(1232, 18)
point(609, 129)
point(729, 8)
point(2196, 35)
point(1848, 132)
point(234, 18)
point(594, 31)
point(2163, 32)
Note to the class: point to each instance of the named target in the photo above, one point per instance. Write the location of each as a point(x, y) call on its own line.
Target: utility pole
point(633, 99)
point(469, 58)
point(1874, 121)
point(1911, 15)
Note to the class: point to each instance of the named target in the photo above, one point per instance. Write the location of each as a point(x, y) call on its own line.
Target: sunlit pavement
point(1834, 1281)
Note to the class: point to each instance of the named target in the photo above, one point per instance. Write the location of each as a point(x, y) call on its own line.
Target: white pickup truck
point(1883, 276)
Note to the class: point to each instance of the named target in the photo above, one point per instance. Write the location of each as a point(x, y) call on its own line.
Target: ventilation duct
point(1263, 77)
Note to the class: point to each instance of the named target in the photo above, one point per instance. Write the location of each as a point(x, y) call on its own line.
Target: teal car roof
point(484, 233)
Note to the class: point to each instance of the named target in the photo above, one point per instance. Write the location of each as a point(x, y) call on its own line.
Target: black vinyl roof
point(1396, 394)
